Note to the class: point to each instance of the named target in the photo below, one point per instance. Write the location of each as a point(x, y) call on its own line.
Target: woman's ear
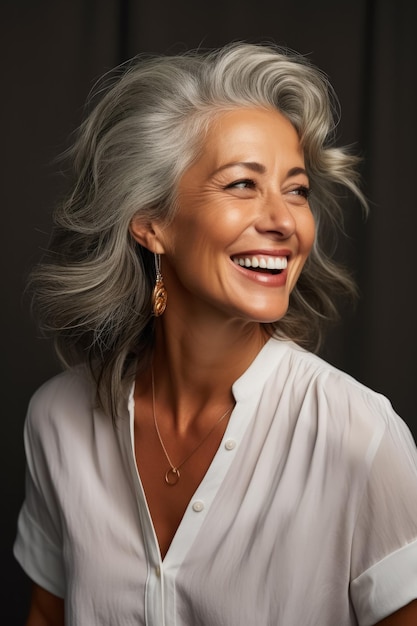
point(146, 235)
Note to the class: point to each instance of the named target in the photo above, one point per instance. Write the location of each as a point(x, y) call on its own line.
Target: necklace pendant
point(172, 476)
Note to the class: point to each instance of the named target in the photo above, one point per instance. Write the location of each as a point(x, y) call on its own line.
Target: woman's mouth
point(264, 264)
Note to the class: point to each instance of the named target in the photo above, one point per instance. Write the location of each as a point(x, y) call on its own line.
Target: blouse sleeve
point(384, 551)
point(38, 545)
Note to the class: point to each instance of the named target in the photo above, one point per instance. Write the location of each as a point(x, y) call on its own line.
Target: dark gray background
point(53, 51)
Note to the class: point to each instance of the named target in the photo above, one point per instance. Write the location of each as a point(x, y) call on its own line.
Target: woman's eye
point(302, 191)
point(241, 184)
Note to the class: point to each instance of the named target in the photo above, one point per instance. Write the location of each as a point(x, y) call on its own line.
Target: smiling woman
point(244, 198)
point(195, 463)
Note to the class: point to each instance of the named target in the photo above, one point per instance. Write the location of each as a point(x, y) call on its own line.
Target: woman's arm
point(407, 616)
point(45, 608)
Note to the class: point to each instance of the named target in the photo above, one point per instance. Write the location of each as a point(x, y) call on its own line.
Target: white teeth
point(270, 262)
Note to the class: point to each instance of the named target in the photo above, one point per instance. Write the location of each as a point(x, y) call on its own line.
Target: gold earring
point(159, 294)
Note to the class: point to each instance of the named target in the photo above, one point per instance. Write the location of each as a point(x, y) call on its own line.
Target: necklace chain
point(172, 475)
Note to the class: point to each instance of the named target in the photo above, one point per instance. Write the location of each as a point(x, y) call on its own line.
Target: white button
point(198, 506)
point(158, 571)
point(230, 444)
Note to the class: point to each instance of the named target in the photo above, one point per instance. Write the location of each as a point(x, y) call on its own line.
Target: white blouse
point(306, 516)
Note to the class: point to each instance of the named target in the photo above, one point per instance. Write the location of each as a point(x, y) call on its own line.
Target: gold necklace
point(172, 475)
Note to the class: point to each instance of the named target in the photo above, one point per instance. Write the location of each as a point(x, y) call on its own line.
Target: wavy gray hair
point(93, 292)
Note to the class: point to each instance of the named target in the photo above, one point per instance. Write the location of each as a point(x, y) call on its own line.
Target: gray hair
point(94, 291)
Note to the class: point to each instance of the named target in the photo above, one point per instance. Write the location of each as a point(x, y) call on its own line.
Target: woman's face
point(244, 227)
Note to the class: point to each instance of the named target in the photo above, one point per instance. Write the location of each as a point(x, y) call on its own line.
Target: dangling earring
point(159, 294)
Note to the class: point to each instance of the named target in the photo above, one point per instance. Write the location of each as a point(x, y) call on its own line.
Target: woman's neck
point(196, 365)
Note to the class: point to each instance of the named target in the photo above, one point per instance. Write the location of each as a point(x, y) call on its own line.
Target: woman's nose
point(276, 217)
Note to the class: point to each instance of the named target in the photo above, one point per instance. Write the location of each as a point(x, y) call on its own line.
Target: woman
point(196, 465)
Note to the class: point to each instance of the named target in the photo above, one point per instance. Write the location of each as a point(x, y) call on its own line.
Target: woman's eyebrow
point(252, 165)
point(294, 171)
point(258, 168)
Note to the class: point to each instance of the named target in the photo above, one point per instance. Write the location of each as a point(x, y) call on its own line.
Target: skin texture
point(245, 196)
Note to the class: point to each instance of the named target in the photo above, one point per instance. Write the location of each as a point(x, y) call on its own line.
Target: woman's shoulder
point(74, 383)
point(348, 410)
point(330, 386)
point(69, 394)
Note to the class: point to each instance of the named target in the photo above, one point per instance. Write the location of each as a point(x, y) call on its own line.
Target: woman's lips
point(265, 269)
point(261, 262)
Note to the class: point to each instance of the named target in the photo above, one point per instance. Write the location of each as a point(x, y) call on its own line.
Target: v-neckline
point(200, 503)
